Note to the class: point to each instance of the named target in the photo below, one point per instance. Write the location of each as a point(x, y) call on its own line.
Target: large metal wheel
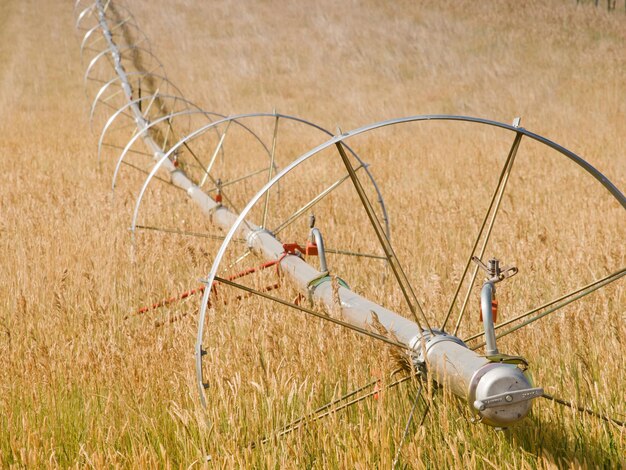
point(506, 195)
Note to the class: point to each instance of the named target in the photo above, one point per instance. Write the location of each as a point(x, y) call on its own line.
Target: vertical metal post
point(486, 302)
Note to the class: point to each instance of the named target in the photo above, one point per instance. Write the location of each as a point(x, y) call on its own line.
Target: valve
point(494, 271)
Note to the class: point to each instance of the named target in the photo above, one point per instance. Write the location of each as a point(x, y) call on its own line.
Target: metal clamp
point(250, 239)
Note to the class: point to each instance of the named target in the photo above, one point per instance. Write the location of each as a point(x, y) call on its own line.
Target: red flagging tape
point(201, 289)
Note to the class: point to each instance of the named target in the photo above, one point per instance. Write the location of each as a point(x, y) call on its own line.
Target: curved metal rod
point(92, 63)
point(95, 60)
point(181, 142)
point(201, 131)
point(128, 21)
point(83, 14)
point(103, 88)
point(235, 119)
point(86, 37)
point(340, 138)
point(318, 239)
point(139, 134)
point(486, 307)
point(128, 105)
point(77, 4)
point(119, 8)
point(90, 9)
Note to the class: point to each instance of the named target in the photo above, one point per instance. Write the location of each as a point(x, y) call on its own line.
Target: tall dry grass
point(82, 385)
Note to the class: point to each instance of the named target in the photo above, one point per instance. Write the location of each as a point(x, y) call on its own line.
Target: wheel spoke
point(488, 221)
point(123, 127)
point(110, 60)
point(101, 37)
point(396, 267)
point(247, 253)
point(560, 303)
point(408, 425)
point(311, 203)
point(236, 180)
point(269, 175)
point(124, 113)
point(183, 232)
point(97, 80)
point(209, 176)
point(207, 171)
point(91, 45)
point(329, 408)
point(195, 157)
point(141, 170)
point(139, 152)
point(308, 311)
point(167, 135)
point(588, 411)
point(111, 96)
point(354, 253)
point(151, 102)
point(214, 156)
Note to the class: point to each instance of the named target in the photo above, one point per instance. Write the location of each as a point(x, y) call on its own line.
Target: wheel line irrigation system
point(495, 386)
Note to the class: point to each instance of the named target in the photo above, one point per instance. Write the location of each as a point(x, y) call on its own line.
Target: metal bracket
point(325, 277)
point(506, 359)
point(427, 339)
point(494, 271)
point(255, 233)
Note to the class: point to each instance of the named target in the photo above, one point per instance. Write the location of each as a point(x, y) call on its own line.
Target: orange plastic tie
point(311, 249)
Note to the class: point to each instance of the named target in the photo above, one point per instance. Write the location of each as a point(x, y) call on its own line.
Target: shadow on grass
point(587, 442)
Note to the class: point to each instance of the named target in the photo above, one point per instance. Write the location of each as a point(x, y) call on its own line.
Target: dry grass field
point(85, 384)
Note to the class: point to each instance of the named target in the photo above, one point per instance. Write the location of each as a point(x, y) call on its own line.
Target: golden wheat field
point(86, 381)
